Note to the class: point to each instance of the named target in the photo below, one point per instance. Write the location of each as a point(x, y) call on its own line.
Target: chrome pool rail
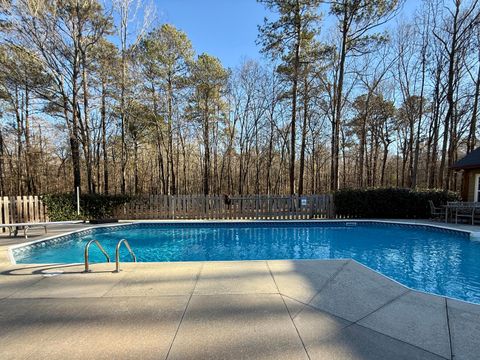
point(100, 247)
point(117, 253)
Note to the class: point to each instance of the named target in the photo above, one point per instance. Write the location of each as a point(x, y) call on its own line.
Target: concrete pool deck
point(303, 309)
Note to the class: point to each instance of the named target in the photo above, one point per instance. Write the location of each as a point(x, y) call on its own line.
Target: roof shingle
point(470, 161)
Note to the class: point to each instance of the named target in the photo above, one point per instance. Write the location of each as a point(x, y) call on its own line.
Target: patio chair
point(467, 213)
point(436, 212)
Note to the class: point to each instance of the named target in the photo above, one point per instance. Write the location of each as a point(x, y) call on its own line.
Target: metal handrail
point(117, 254)
point(87, 247)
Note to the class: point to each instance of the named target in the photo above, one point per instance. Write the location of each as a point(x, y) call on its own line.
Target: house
point(470, 165)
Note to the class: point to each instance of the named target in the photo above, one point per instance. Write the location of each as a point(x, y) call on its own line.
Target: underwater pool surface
point(439, 261)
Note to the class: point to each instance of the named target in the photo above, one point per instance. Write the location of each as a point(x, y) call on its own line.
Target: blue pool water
point(423, 258)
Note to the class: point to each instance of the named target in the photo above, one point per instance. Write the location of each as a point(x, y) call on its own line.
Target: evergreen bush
point(389, 203)
point(61, 207)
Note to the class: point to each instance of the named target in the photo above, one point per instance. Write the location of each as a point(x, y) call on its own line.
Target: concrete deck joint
point(357, 322)
point(384, 305)
point(402, 341)
point(330, 279)
point(184, 311)
point(288, 311)
point(449, 331)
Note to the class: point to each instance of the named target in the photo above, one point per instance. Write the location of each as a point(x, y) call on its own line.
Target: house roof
point(470, 161)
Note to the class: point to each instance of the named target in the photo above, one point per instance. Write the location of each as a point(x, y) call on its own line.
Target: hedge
point(389, 203)
point(62, 207)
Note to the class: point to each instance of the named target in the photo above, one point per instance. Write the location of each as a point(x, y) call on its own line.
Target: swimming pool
point(430, 259)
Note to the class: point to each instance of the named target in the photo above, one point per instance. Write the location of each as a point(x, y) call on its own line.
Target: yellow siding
point(471, 183)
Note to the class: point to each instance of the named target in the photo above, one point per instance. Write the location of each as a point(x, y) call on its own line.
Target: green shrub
point(389, 203)
point(62, 207)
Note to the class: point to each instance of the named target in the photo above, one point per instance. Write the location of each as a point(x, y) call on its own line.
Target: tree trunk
point(411, 132)
point(19, 147)
point(2, 165)
point(173, 189)
point(363, 140)
point(293, 123)
point(135, 169)
point(384, 164)
point(31, 186)
point(444, 183)
point(123, 117)
point(86, 118)
point(472, 138)
point(420, 118)
point(206, 142)
point(433, 181)
point(338, 107)
point(304, 137)
point(270, 156)
point(103, 115)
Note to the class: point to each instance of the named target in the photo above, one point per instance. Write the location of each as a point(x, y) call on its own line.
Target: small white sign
point(303, 201)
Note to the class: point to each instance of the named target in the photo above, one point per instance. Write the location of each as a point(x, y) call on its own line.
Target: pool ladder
point(117, 253)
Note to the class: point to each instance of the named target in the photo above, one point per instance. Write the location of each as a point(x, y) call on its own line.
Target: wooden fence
point(18, 209)
point(221, 207)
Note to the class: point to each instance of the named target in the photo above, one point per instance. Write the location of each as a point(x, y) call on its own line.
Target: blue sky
point(226, 29)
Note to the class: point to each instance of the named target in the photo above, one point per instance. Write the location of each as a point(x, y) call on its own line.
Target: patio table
point(455, 206)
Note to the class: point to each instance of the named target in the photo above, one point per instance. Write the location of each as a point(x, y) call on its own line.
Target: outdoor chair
point(436, 212)
point(467, 213)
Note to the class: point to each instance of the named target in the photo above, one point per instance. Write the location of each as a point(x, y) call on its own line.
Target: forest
point(347, 94)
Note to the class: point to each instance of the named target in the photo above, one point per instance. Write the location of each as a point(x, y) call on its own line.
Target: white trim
point(475, 192)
